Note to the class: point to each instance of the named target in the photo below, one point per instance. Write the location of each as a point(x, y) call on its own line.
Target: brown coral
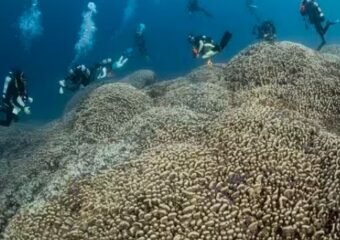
point(262, 167)
point(163, 125)
point(140, 79)
point(252, 170)
point(101, 114)
point(332, 49)
point(206, 98)
point(288, 76)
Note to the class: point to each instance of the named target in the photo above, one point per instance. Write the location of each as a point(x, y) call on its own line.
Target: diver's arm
point(20, 101)
point(7, 81)
point(201, 45)
point(103, 73)
point(209, 45)
point(209, 54)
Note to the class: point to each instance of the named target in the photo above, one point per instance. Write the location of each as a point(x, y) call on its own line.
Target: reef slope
point(244, 150)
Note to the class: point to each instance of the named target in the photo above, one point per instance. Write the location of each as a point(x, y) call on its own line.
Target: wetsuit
point(311, 9)
point(266, 31)
point(79, 76)
point(206, 47)
point(14, 98)
point(141, 44)
point(202, 44)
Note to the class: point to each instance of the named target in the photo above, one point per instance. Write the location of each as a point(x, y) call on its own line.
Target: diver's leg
point(328, 24)
point(319, 29)
point(225, 40)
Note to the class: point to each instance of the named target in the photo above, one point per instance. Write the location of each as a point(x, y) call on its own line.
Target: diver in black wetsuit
point(80, 76)
point(193, 6)
point(266, 31)
point(206, 48)
point(14, 98)
point(311, 9)
point(140, 41)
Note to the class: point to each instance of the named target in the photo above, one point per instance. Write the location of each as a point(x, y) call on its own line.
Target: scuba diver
point(252, 8)
point(311, 9)
point(124, 58)
point(105, 68)
point(78, 77)
point(206, 48)
point(266, 31)
point(14, 97)
point(140, 40)
point(193, 6)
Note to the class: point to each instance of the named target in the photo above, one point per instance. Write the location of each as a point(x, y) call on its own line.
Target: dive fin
point(225, 40)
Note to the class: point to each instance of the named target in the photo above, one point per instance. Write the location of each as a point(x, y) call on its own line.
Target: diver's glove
point(28, 100)
point(16, 110)
point(27, 110)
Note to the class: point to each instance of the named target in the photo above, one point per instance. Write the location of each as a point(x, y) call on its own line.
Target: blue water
point(168, 24)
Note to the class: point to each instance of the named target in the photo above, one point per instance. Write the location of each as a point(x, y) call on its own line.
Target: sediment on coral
point(242, 150)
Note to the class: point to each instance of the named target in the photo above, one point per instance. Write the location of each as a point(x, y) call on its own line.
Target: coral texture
point(332, 49)
point(246, 150)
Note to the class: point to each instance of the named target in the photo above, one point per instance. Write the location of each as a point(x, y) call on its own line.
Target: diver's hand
point(27, 110)
point(30, 100)
point(16, 110)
